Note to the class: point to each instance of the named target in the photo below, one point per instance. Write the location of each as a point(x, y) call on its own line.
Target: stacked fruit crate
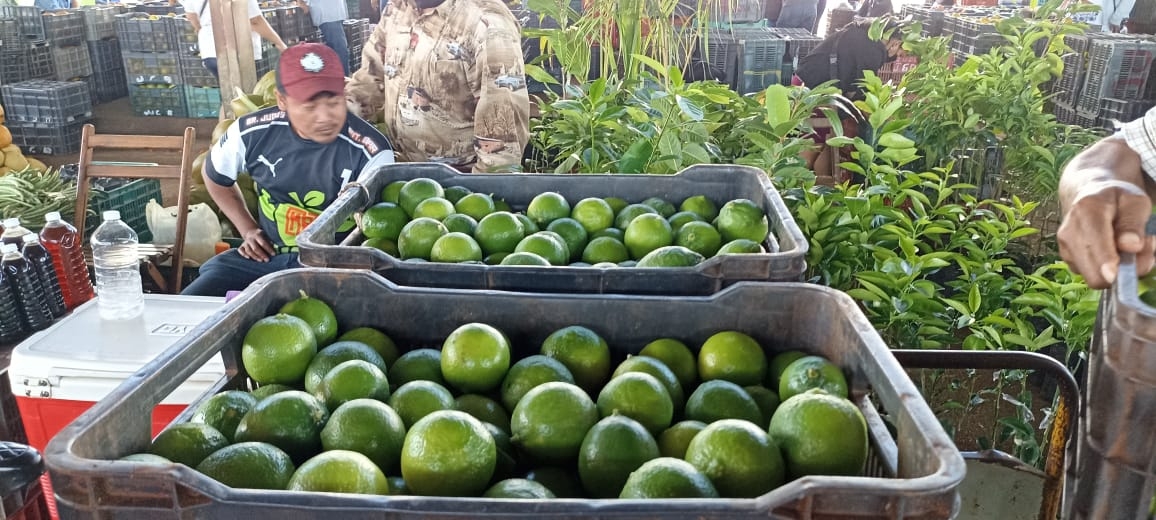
point(46, 116)
point(799, 43)
point(151, 64)
point(356, 35)
point(1117, 69)
point(64, 31)
point(751, 58)
point(24, 51)
point(108, 80)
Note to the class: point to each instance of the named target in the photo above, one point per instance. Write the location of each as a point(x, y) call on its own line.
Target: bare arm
point(261, 27)
point(194, 20)
point(1104, 197)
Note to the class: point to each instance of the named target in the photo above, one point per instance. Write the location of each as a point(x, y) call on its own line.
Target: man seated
point(300, 154)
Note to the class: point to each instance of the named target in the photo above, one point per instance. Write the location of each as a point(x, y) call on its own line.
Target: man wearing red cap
point(447, 78)
point(300, 154)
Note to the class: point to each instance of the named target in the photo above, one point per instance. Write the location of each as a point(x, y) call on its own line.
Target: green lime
point(740, 246)
point(524, 258)
point(249, 465)
point(223, 411)
point(528, 226)
point(277, 349)
point(376, 339)
point(417, 399)
point(528, 373)
point(459, 223)
point(423, 364)
point(605, 249)
point(289, 420)
point(778, 364)
point(610, 232)
point(340, 471)
point(436, 208)
point(683, 218)
point(677, 357)
point(699, 237)
point(499, 233)
point(663, 207)
point(546, 246)
point(476, 205)
point(383, 220)
point(739, 458)
point(484, 409)
point(641, 397)
point(456, 193)
point(551, 420)
point(417, 190)
point(418, 237)
point(547, 207)
point(584, 353)
point(616, 204)
point(475, 358)
point(766, 399)
point(594, 214)
point(742, 218)
point(572, 233)
point(518, 488)
point(820, 434)
point(810, 372)
point(732, 356)
point(386, 246)
point(336, 354)
point(700, 205)
point(623, 218)
point(318, 314)
point(188, 443)
point(353, 379)
point(392, 191)
point(661, 372)
point(368, 427)
point(670, 256)
point(448, 453)
point(673, 441)
point(667, 477)
point(716, 400)
point(454, 248)
point(613, 448)
point(647, 232)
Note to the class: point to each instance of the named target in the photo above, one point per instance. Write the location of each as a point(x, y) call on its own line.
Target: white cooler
point(60, 372)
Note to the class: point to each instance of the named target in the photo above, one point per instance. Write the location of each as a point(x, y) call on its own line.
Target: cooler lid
point(83, 343)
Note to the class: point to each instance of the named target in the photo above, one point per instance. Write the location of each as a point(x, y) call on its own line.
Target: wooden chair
point(151, 255)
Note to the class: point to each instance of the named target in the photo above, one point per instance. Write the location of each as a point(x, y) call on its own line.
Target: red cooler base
point(43, 418)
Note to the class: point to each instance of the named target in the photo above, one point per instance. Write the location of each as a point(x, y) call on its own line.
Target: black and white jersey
point(295, 178)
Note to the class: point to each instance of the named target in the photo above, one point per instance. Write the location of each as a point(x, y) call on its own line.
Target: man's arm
point(502, 116)
point(225, 161)
point(261, 26)
point(1105, 204)
point(364, 92)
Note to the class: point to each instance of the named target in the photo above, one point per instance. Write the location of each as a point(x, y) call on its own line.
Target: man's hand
point(1106, 218)
point(256, 247)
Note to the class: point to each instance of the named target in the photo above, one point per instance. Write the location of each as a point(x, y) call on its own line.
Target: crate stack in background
point(1107, 79)
point(750, 57)
point(930, 19)
point(24, 51)
point(46, 116)
point(64, 32)
point(108, 81)
point(151, 64)
point(799, 43)
point(356, 35)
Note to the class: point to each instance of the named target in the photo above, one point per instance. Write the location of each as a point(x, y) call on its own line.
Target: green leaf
point(1035, 300)
point(778, 105)
point(974, 299)
point(635, 159)
point(539, 74)
point(654, 65)
point(864, 295)
point(689, 108)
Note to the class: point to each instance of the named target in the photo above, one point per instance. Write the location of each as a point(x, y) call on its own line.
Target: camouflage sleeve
point(363, 92)
point(502, 116)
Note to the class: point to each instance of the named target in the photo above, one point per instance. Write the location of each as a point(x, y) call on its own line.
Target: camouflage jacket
point(449, 84)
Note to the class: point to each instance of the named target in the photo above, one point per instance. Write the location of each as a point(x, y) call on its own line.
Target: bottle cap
point(31, 237)
point(111, 214)
point(8, 248)
point(11, 222)
point(52, 216)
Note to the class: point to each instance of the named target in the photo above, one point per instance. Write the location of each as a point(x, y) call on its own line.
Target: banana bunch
point(30, 193)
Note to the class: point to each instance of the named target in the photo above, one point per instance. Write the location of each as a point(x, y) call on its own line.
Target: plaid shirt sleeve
point(1141, 137)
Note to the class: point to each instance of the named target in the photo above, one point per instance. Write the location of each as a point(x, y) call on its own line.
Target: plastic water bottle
point(12, 326)
point(41, 261)
point(13, 232)
point(63, 242)
point(25, 284)
point(119, 293)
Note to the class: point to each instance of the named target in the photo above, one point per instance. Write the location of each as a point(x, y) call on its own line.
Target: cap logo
point(312, 62)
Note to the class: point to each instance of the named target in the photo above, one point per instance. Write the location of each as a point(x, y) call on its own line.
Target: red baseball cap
point(308, 69)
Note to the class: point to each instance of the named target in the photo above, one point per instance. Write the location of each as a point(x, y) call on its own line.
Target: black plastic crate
point(64, 27)
point(194, 73)
point(105, 55)
point(29, 19)
point(289, 17)
point(273, 15)
point(157, 100)
point(71, 62)
point(100, 21)
point(148, 68)
point(13, 67)
point(750, 58)
point(1065, 113)
point(47, 139)
point(47, 102)
point(10, 35)
point(139, 32)
point(109, 85)
point(268, 60)
point(184, 37)
point(39, 61)
point(355, 31)
point(202, 102)
point(161, 8)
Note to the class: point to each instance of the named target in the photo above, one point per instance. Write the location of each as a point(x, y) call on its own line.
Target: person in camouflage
point(447, 78)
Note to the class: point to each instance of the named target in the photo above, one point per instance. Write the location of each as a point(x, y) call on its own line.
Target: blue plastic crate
point(202, 102)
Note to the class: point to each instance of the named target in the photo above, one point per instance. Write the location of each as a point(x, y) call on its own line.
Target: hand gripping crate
point(185, 40)
point(139, 32)
point(157, 100)
point(202, 102)
point(64, 27)
point(1114, 474)
point(194, 73)
point(71, 62)
point(48, 139)
point(784, 261)
point(105, 55)
point(47, 102)
point(912, 474)
point(108, 85)
point(152, 68)
point(29, 19)
point(100, 21)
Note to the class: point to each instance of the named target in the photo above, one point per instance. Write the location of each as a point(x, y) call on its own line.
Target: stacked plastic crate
point(750, 57)
point(64, 31)
point(1066, 89)
point(46, 116)
point(151, 64)
point(108, 80)
point(24, 51)
point(198, 87)
point(799, 43)
point(355, 35)
point(1116, 79)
